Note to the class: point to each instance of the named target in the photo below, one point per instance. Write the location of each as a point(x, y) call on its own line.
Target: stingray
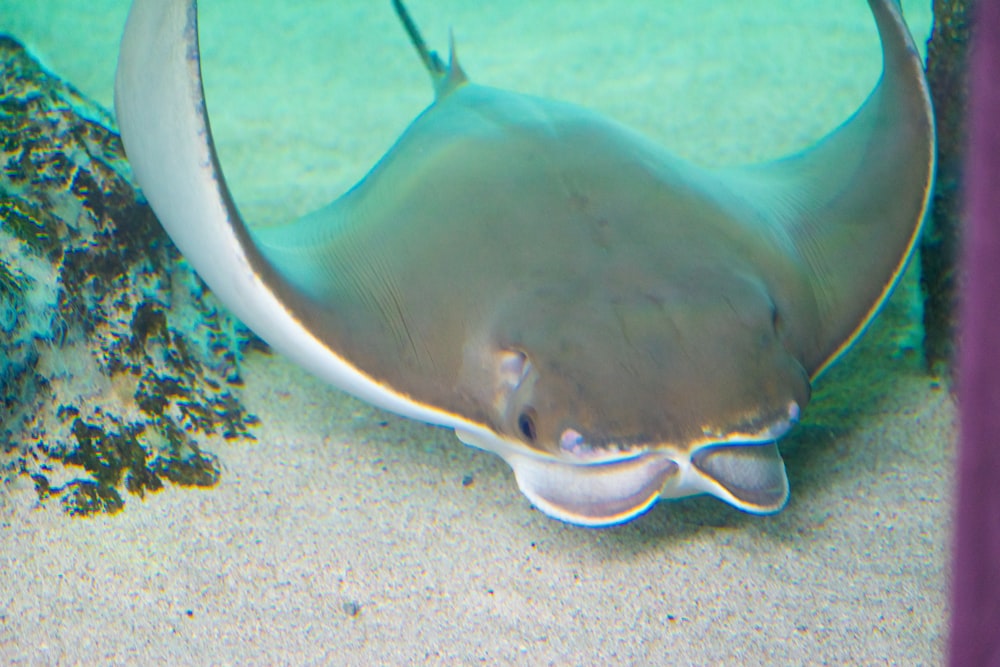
point(617, 324)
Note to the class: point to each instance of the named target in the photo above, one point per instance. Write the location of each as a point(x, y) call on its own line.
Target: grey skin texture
point(617, 324)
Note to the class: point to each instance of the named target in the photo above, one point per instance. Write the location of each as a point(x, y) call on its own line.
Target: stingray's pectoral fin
point(852, 205)
point(750, 477)
point(164, 127)
point(599, 494)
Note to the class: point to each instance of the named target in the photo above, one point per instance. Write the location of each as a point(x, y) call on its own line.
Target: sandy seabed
point(344, 535)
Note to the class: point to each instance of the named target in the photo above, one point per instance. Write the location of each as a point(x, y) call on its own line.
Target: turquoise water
point(343, 534)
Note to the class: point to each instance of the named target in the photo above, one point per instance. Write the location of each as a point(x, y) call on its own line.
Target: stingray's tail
point(446, 77)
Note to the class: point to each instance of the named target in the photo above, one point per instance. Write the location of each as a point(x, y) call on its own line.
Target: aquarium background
point(342, 534)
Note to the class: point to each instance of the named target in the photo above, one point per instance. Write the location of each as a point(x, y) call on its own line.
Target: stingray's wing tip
point(160, 107)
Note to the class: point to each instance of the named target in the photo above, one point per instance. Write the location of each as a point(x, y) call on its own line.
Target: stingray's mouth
point(600, 492)
point(602, 484)
point(580, 450)
point(577, 449)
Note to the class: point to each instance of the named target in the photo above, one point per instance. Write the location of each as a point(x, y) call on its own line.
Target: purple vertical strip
point(975, 629)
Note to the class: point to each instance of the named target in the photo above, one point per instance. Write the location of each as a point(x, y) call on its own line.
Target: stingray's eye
point(526, 424)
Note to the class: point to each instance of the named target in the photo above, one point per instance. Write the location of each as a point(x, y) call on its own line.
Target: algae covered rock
point(947, 53)
point(115, 362)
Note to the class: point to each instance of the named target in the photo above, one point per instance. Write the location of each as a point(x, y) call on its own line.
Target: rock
point(116, 364)
point(947, 53)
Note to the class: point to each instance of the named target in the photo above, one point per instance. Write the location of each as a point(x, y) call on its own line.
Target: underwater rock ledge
point(115, 362)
